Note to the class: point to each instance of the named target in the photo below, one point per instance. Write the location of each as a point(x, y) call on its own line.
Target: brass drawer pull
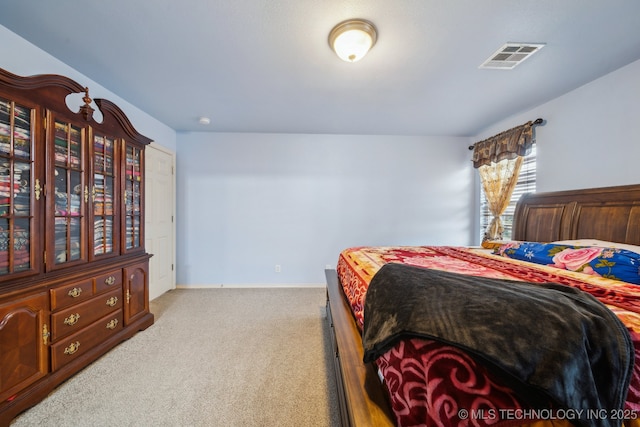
point(72, 319)
point(110, 280)
point(45, 334)
point(75, 292)
point(112, 301)
point(112, 324)
point(73, 347)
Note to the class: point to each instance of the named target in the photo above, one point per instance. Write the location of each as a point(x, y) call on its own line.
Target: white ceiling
point(266, 66)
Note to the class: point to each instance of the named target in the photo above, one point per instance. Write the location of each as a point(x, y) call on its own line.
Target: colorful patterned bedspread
point(430, 383)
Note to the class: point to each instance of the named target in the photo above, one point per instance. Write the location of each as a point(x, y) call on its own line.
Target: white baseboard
point(252, 285)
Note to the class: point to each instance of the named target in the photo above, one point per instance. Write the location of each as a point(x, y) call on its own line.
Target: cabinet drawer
point(64, 296)
point(74, 318)
point(81, 342)
point(109, 281)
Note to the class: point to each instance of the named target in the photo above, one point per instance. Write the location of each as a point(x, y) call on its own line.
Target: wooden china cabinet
point(74, 276)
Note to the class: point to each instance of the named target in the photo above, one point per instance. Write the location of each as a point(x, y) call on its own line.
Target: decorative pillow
point(595, 242)
point(612, 263)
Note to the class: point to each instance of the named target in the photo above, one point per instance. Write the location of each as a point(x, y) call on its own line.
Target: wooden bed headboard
point(607, 213)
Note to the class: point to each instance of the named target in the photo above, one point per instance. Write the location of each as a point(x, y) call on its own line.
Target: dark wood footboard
point(362, 398)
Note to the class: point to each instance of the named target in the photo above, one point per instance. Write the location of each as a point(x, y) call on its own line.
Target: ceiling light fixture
point(352, 39)
point(204, 120)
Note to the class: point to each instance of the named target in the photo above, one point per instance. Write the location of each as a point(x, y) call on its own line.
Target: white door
point(159, 218)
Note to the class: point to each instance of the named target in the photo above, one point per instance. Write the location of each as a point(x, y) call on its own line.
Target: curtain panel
point(498, 160)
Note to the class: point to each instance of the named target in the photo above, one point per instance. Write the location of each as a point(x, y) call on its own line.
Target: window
point(526, 184)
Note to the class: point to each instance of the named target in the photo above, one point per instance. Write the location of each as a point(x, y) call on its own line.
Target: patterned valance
point(505, 145)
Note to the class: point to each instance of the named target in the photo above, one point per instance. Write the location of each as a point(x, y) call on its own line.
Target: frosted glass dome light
point(352, 39)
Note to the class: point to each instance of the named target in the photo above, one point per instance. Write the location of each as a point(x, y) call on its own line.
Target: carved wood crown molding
point(39, 81)
point(53, 90)
point(111, 111)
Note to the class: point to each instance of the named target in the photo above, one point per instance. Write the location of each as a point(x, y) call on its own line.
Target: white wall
point(25, 59)
point(591, 137)
point(247, 202)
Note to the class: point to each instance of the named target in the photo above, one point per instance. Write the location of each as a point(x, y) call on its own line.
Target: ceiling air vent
point(510, 55)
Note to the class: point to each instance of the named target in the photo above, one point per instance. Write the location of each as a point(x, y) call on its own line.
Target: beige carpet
point(214, 357)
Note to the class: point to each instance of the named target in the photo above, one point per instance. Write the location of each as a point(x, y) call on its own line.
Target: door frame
point(148, 184)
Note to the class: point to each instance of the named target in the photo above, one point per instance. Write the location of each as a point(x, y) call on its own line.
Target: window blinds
point(526, 184)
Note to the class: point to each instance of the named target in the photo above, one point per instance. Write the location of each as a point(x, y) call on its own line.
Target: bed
point(368, 392)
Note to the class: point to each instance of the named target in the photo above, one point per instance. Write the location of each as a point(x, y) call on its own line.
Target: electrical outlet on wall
point(278, 268)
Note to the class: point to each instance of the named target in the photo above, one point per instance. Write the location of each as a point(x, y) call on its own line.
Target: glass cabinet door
point(16, 164)
point(103, 195)
point(70, 194)
point(132, 198)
